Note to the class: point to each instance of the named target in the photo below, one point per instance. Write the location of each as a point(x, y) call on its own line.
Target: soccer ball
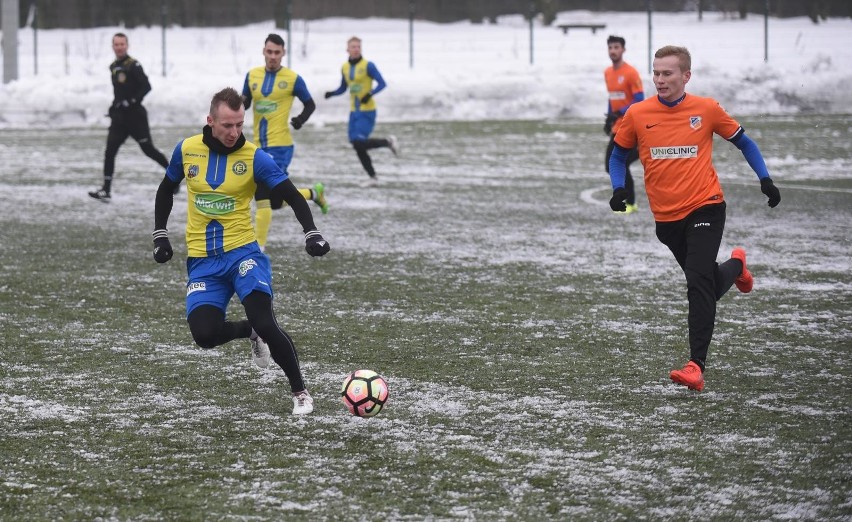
point(364, 393)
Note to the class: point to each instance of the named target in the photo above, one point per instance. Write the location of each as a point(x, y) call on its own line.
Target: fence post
point(163, 18)
point(766, 33)
point(34, 13)
point(411, 5)
point(288, 12)
point(532, 15)
point(650, 44)
point(10, 40)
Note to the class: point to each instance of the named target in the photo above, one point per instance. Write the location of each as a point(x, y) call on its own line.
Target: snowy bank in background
point(461, 71)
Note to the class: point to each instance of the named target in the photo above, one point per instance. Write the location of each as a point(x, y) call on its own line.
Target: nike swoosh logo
point(649, 126)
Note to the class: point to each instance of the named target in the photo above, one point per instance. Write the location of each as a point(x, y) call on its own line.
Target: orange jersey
point(676, 149)
point(622, 84)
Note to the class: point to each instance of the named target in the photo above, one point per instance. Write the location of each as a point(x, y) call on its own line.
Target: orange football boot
point(690, 376)
point(745, 282)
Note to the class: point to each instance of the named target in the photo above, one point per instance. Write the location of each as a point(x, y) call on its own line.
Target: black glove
point(611, 118)
point(315, 244)
point(367, 97)
point(297, 122)
point(162, 248)
point(329, 94)
point(771, 191)
point(616, 202)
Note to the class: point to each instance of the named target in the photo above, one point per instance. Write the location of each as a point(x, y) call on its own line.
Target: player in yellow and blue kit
point(273, 87)
point(358, 75)
point(222, 172)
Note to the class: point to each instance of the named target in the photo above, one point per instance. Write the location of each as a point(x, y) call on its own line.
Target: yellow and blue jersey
point(219, 189)
point(272, 94)
point(358, 78)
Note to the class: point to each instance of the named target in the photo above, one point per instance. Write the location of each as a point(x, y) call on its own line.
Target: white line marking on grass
point(586, 196)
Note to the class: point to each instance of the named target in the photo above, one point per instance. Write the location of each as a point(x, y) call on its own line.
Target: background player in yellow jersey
point(272, 87)
point(358, 76)
point(674, 133)
point(222, 171)
point(128, 117)
point(624, 86)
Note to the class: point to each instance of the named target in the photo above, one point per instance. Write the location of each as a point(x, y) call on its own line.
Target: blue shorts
point(282, 155)
point(214, 280)
point(361, 125)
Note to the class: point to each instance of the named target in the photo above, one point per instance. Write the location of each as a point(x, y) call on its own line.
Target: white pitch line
point(586, 196)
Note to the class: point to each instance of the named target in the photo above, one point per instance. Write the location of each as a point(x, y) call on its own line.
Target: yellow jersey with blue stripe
point(220, 188)
point(358, 78)
point(272, 94)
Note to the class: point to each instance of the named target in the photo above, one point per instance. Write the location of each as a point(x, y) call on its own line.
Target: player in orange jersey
point(674, 134)
point(625, 88)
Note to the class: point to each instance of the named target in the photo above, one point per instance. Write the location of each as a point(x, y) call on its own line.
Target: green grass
point(525, 331)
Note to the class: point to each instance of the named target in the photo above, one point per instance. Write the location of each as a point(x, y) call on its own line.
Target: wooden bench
point(593, 27)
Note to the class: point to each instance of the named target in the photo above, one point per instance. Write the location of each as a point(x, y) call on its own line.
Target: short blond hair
point(353, 39)
point(682, 53)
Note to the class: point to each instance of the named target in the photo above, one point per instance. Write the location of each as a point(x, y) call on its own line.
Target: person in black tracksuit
point(129, 117)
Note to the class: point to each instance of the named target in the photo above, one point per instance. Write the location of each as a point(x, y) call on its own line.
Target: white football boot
point(303, 403)
point(394, 145)
point(259, 350)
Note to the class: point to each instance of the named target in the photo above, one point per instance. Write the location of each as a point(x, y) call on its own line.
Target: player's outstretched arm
point(340, 88)
point(755, 160)
point(315, 244)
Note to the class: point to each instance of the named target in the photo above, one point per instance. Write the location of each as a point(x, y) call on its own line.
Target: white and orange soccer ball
point(364, 393)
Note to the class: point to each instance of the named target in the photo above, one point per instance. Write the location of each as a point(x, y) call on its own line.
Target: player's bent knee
point(206, 340)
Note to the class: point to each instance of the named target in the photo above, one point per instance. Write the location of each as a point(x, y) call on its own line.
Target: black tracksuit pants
point(695, 242)
point(130, 121)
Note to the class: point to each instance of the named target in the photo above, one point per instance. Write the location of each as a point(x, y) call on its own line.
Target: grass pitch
point(526, 333)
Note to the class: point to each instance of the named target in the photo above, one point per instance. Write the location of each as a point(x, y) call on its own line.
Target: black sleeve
point(309, 109)
point(287, 191)
point(163, 202)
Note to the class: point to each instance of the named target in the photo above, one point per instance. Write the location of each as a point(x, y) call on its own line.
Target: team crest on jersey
point(695, 122)
point(121, 77)
point(192, 171)
point(282, 84)
point(247, 265)
point(254, 86)
point(239, 168)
